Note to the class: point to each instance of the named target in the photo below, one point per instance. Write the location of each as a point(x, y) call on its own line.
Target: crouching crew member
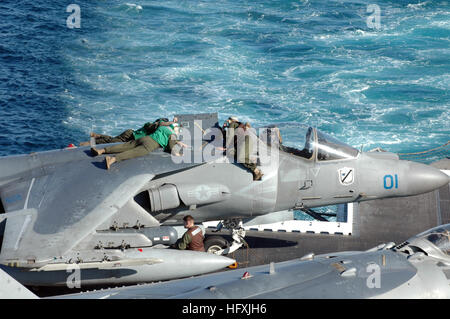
point(247, 150)
point(192, 238)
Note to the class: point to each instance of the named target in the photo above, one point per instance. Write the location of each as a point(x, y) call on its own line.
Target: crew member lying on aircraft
point(131, 135)
point(164, 136)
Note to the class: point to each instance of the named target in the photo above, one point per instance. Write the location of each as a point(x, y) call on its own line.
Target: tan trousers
point(133, 149)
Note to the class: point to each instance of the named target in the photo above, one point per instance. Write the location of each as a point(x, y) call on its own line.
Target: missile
point(138, 266)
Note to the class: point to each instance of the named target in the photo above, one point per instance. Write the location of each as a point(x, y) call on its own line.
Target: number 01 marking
point(390, 181)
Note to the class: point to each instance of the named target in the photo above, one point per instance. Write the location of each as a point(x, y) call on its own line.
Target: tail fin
point(12, 289)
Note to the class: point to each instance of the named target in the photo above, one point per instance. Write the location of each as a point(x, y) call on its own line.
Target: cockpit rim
point(422, 243)
point(314, 157)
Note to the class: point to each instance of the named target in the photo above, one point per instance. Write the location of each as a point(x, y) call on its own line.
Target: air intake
point(164, 197)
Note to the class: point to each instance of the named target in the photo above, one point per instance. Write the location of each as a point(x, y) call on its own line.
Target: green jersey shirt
point(143, 131)
point(162, 135)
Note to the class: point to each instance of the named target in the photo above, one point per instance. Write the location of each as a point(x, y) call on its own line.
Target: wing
point(336, 275)
point(11, 289)
point(64, 196)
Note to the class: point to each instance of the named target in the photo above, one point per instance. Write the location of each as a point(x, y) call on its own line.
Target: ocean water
point(317, 63)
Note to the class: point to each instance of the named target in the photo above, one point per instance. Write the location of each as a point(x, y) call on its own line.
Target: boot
point(257, 174)
point(95, 151)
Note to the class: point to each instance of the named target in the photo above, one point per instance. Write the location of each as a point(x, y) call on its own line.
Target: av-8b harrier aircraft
point(416, 268)
point(63, 211)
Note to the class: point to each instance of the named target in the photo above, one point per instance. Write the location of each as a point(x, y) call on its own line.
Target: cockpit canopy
point(437, 238)
point(316, 143)
point(329, 148)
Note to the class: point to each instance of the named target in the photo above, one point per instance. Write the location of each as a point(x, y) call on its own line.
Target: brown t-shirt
point(196, 242)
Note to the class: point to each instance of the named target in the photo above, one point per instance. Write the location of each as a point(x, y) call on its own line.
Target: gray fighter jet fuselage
point(63, 208)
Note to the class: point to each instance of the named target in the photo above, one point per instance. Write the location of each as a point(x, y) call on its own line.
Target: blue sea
point(317, 63)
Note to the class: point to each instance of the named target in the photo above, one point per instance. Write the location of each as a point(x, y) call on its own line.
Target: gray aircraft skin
point(417, 268)
point(63, 209)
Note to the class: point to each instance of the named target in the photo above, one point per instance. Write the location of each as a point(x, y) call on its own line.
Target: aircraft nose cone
point(424, 178)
